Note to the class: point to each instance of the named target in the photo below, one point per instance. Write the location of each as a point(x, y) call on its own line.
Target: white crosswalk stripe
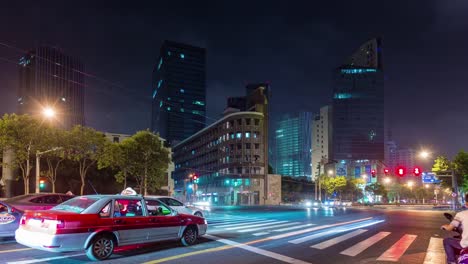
point(339, 239)
point(395, 252)
point(267, 227)
point(265, 223)
point(363, 245)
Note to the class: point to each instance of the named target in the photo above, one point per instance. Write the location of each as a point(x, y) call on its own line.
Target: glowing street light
point(364, 176)
point(427, 186)
point(48, 112)
point(387, 180)
point(410, 184)
point(330, 172)
point(424, 154)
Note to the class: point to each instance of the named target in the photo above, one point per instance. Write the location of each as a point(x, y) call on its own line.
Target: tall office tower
point(293, 136)
point(179, 92)
point(49, 78)
point(358, 105)
point(321, 140)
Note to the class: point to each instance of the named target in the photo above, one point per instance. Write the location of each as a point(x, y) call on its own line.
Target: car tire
point(101, 248)
point(199, 214)
point(190, 236)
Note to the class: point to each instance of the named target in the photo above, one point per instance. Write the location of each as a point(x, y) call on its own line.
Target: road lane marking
point(266, 227)
point(316, 228)
point(14, 250)
point(44, 259)
point(398, 249)
point(259, 251)
point(261, 233)
point(256, 225)
point(292, 228)
point(229, 223)
point(334, 231)
point(363, 245)
point(243, 224)
point(179, 256)
point(435, 251)
point(337, 240)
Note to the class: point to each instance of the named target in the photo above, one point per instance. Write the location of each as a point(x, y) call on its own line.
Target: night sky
point(295, 46)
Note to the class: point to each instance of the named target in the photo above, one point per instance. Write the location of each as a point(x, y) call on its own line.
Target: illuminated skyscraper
point(179, 92)
point(293, 137)
point(358, 105)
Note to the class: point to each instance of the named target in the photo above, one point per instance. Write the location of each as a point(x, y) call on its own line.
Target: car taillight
point(23, 220)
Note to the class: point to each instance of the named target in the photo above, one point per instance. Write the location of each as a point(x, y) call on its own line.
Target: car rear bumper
point(202, 229)
point(50, 242)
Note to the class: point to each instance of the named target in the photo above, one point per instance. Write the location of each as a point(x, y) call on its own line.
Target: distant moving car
point(37, 201)
point(312, 203)
point(181, 207)
point(12, 209)
point(99, 223)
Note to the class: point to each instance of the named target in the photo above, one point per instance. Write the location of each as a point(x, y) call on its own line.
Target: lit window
point(159, 83)
point(182, 56)
point(238, 135)
point(169, 53)
point(198, 103)
point(168, 108)
point(168, 98)
point(182, 110)
point(195, 112)
point(160, 104)
point(182, 90)
point(154, 93)
point(64, 99)
point(247, 134)
point(159, 64)
point(227, 124)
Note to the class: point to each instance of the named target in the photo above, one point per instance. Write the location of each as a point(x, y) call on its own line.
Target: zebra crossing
point(322, 237)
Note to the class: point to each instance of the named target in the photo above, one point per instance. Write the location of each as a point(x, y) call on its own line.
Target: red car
point(99, 223)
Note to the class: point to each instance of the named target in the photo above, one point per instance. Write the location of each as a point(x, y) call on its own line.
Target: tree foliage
point(441, 165)
point(332, 184)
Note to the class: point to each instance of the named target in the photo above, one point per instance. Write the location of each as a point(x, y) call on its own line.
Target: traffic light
point(195, 178)
point(386, 171)
point(372, 173)
point(417, 171)
point(400, 171)
point(41, 184)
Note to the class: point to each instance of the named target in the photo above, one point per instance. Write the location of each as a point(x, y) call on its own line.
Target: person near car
point(452, 245)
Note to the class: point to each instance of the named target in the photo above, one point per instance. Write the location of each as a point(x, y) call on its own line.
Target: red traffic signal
point(373, 173)
point(195, 177)
point(400, 171)
point(386, 171)
point(417, 171)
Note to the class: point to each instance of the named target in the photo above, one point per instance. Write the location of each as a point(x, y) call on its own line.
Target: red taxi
point(99, 223)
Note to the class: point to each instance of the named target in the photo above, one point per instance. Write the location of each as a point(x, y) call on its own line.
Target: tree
point(86, 146)
point(376, 189)
point(441, 165)
point(119, 156)
point(150, 160)
point(352, 189)
point(56, 146)
point(331, 184)
point(21, 134)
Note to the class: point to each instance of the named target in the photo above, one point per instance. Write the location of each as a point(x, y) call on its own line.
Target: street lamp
point(387, 180)
point(424, 154)
point(330, 172)
point(48, 112)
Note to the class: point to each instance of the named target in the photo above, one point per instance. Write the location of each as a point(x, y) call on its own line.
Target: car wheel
point(101, 248)
point(199, 214)
point(190, 236)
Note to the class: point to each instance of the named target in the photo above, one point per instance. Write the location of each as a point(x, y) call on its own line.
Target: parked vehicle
point(37, 201)
point(12, 209)
point(181, 207)
point(98, 224)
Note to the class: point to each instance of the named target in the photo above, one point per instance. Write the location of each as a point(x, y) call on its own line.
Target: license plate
point(34, 222)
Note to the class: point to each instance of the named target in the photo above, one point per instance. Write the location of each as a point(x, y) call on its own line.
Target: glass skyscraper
point(293, 145)
point(179, 92)
point(358, 105)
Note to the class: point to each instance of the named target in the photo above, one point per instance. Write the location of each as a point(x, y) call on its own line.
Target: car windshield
point(76, 205)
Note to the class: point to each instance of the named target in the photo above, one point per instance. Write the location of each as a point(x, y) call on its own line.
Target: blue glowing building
point(293, 144)
point(179, 91)
point(358, 105)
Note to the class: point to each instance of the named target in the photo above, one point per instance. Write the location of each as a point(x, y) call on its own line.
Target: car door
point(9, 220)
point(130, 221)
point(164, 223)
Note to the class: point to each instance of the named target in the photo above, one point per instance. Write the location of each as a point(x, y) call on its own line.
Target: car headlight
point(315, 204)
point(308, 203)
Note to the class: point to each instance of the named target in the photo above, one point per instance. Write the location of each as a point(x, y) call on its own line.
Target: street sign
point(429, 177)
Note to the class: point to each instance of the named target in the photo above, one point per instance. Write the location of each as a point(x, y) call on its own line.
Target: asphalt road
point(284, 235)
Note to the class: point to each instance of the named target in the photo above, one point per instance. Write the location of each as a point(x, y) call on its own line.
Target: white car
point(179, 206)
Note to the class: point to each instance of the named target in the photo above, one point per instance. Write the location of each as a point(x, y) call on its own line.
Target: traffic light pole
point(38, 166)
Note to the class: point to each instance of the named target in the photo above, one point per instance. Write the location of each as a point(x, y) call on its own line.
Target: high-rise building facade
point(179, 91)
point(321, 140)
point(293, 138)
point(50, 78)
point(358, 105)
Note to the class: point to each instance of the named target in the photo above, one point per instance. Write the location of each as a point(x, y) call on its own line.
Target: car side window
point(174, 202)
point(66, 197)
point(52, 199)
point(127, 208)
point(156, 208)
point(38, 200)
point(105, 212)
